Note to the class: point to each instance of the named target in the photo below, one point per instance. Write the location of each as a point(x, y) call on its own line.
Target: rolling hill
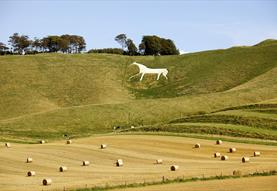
point(48, 95)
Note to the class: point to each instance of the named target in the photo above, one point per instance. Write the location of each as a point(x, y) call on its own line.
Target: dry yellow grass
point(138, 152)
point(253, 184)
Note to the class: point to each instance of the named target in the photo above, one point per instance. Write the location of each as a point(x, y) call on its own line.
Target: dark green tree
point(132, 49)
point(154, 45)
point(151, 45)
point(122, 40)
point(20, 43)
point(168, 47)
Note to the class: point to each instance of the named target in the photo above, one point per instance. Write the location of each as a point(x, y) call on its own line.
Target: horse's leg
point(142, 76)
point(134, 76)
point(165, 76)
point(158, 77)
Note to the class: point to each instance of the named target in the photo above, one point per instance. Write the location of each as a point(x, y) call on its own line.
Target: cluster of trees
point(154, 45)
point(22, 44)
point(150, 45)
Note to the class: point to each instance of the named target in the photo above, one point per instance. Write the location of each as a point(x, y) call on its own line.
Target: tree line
point(22, 44)
point(150, 45)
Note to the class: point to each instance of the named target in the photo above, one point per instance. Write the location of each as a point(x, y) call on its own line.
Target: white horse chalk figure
point(144, 70)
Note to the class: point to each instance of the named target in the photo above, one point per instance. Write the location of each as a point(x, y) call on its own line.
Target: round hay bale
point(224, 157)
point(197, 145)
point(42, 141)
point(29, 160)
point(217, 154)
point(47, 181)
point(31, 173)
point(237, 173)
point(69, 142)
point(245, 159)
point(232, 150)
point(218, 142)
point(8, 145)
point(132, 127)
point(103, 146)
point(119, 162)
point(174, 167)
point(63, 168)
point(86, 163)
point(257, 154)
point(159, 161)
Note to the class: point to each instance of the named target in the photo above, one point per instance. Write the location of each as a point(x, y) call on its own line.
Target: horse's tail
point(165, 72)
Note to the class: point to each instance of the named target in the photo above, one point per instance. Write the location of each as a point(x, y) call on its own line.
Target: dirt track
point(138, 152)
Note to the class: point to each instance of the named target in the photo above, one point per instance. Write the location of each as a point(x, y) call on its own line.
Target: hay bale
point(232, 150)
point(47, 181)
point(42, 141)
point(103, 146)
point(174, 167)
point(119, 162)
point(197, 145)
point(224, 157)
point(245, 159)
point(31, 173)
point(29, 160)
point(217, 154)
point(237, 173)
point(132, 127)
point(63, 168)
point(69, 142)
point(8, 145)
point(218, 142)
point(159, 161)
point(86, 163)
point(257, 154)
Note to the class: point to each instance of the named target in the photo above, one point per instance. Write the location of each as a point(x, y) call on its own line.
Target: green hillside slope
point(48, 95)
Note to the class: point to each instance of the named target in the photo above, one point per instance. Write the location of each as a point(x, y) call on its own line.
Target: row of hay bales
point(48, 181)
point(231, 150)
point(119, 162)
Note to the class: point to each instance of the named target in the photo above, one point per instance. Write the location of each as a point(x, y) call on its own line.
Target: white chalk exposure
point(144, 70)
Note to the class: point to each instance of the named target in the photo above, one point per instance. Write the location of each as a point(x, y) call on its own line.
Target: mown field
point(228, 94)
point(139, 153)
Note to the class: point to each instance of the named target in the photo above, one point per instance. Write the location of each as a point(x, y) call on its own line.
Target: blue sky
point(193, 25)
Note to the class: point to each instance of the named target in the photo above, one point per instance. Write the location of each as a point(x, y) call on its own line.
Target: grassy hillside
point(47, 95)
point(252, 121)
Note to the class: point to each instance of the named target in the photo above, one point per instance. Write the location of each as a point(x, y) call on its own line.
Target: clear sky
point(193, 25)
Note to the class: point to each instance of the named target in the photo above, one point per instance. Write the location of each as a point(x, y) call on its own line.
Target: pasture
point(139, 153)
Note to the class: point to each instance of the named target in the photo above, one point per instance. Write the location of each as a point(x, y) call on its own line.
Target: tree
point(19, 43)
point(132, 49)
point(51, 43)
point(36, 44)
point(3, 47)
point(168, 47)
point(151, 45)
point(122, 40)
point(154, 45)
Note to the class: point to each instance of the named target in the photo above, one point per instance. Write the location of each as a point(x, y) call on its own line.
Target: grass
point(48, 95)
point(244, 121)
point(179, 180)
